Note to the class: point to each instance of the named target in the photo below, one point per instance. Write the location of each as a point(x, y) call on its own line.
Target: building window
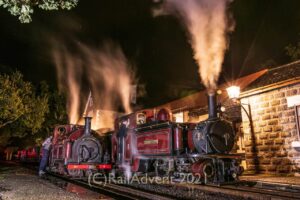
point(178, 117)
point(297, 117)
point(294, 101)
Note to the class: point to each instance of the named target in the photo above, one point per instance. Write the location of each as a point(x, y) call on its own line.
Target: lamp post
point(234, 94)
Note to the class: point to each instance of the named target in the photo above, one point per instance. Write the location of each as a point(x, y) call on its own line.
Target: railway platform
point(274, 179)
point(278, 182)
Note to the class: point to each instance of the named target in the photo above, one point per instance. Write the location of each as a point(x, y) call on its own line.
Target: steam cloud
point(207, 25)
point(107, 74)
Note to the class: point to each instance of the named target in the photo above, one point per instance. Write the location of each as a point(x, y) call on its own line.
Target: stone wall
point(268, 142)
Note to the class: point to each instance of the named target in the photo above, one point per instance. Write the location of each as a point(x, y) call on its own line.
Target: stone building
point(271, 135)
point(265, 117)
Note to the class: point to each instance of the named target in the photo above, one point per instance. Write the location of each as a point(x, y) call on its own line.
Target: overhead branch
point(23, 9)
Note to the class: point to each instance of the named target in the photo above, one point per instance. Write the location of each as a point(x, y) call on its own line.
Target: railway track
point(244, 190)
point(112, 190)
point(258, 190)
point(116, 191)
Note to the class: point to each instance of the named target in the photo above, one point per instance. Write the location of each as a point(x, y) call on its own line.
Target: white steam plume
point(107, 74)
point(69, 80)
point(207, 25)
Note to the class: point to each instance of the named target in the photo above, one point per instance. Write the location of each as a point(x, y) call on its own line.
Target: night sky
point(157, 47)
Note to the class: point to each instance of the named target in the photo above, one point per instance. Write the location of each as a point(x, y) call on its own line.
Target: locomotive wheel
point(208, 170)
point(89, 172)
point(75, 172)
point(159, 172)
point(161, 168)
point(61, 168)
point(191, 178)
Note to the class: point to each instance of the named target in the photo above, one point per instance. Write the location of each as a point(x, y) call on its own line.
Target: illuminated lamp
point(233, 92)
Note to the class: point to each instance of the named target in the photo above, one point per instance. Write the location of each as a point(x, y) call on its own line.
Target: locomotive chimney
point(87, 125)
point(88, 114)
point(212, 105)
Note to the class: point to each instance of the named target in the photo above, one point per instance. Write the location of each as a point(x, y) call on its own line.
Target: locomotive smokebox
point(87, 125)
point(212, 105)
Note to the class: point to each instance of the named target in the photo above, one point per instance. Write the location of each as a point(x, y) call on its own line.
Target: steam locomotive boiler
point(149, 142)
point(78, 151)
point(214, 135)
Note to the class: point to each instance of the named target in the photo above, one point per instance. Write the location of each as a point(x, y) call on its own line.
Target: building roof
point(199, 99)
point(276, 75)
point(274, 78)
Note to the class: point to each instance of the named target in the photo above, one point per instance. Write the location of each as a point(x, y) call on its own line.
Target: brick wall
point(268, 147)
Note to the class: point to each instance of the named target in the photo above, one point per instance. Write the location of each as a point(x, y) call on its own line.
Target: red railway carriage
point(78, 151)
point(31, 154)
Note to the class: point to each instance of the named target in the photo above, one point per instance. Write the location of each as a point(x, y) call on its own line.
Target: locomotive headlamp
point(223, 109)
point(233, 92)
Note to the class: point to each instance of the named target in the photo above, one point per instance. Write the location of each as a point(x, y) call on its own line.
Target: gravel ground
point(18, 183)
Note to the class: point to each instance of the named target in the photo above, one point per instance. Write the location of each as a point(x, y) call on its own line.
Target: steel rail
point(116, 191)
point(248, 191)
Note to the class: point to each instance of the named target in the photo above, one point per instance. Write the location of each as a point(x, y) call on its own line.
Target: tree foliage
point(57, 114)
point(32, 128)
point(14, 95)
point(34, 117)
point(293, 51)
point(23, 109)
point(23, 9)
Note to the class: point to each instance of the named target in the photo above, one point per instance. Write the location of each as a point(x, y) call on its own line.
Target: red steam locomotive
point(149, 142)
point(152, 143)
point(78, 151)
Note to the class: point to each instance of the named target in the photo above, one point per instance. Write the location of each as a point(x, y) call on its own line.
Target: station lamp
point(233, 92)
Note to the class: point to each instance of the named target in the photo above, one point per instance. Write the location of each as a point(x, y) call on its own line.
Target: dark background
point(157, 47)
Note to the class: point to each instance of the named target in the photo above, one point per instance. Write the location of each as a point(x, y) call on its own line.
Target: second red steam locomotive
point(149, 142)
